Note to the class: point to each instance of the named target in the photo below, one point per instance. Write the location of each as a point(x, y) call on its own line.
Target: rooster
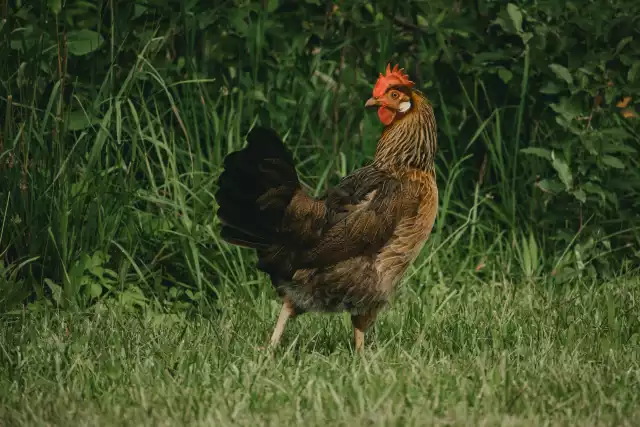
point(348, 250)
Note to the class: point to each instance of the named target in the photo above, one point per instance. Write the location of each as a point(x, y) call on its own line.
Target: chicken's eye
point(394, 95)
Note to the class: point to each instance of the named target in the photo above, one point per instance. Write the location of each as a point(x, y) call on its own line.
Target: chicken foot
point(361, 323)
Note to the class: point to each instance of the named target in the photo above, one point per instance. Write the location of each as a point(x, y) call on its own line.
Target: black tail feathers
point(255, 188)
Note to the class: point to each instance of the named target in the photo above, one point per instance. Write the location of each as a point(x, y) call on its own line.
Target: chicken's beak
point(371, 102)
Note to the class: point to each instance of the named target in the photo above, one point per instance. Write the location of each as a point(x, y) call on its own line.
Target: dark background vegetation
point(115, 117)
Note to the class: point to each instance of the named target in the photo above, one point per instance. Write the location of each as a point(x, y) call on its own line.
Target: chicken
point(348, 250)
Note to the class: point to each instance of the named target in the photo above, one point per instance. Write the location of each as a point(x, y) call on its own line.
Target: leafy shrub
point(116, 116)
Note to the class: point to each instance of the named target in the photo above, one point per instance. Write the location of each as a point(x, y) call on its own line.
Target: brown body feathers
point(347, 251)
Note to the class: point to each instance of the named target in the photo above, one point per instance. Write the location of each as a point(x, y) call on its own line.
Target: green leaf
point(56, 290)
point(580, 195)
point(564, 172)
point(562, 72)
point(551, 186)
point(593, 188)
point(615, 133)
point(612, 161)
point(238, 22)
point(537, 151)
point(625, 41)
point(55, 6)
point(258, 95)
point(138, 10)
point(633, 72)
point(516, 16)
point(612, 147)
point(272, 5)
point(569, 109)
point(550, 88)
point(94, 290)
point(83, 42)
point(132, 296)
point(610, 94)
point(505, 75)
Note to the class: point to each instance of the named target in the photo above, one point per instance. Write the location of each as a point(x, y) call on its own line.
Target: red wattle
point(386, 115)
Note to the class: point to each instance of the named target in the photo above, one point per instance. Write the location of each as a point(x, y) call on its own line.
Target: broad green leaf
point(612, 197)
point(238, 22)
point(564, 172)
point(617, 133)
point(56, 290)
point(272, 5)
point(138, 10)
point(551, 186)
point(625, 41)
point(610, 147)
point(568, 108)
point(505, 75)
point(610, 94)
point(94, 290)
point(537, 151)
point(614, 162)
point(258, 95)
point(55, 6)
point(550, 88)
point(580, 195)
point(83, 42)
point(516, 16)
point(132, 296)
point(562, 72)
point(593, 188)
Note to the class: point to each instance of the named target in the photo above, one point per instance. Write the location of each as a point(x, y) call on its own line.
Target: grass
point(492, 354)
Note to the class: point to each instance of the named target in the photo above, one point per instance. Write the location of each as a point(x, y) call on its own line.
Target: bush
point(116, 117)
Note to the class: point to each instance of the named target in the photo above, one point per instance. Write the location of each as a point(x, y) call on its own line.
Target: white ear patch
point(404, 106)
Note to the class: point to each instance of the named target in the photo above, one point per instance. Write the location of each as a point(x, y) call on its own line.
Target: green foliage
point(116, 116)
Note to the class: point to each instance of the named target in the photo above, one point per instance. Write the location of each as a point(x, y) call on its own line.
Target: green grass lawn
point(493, 354)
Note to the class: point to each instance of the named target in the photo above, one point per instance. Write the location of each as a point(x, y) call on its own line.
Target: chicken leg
point(361, 323)
point(286, 312)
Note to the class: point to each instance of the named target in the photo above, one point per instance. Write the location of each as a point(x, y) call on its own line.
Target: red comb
point(392, 78)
